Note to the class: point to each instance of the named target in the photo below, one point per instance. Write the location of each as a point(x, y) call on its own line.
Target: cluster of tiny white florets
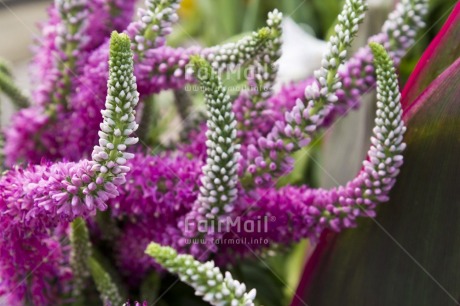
point(70, 40)
point(387, 143)
point(218, 190)
point(78, 189)
point(71, 31)
point(403, 24)
point(154, 24)
point(251, 103)
point(347, 27)
point(119, 123)
point(340, 206)
point(304, 118)
point(322, 93)
point(265, 68)
point(205, 278)
point(231, 55)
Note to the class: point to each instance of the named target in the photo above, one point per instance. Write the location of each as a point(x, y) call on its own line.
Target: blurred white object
point(18, 28)
point(301, 53)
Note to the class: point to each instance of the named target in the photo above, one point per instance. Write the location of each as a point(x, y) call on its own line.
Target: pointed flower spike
point(397, 36)
point(167, 69)
point(107, 289)
point(303, 119)
point(10, 89)
point(374, 182)
point(70, 41)
point(155, 23)
point(357, 75)
point(327, 78)
point(264, 70)
point(231, 55)
point(251, 103)
point(402, 26)
point(207, 279)
point(80, 254)
point(98, 179)
point(5, 68)
point(219, 181)
point(119, 116)
point(69, 190)
point(385, 157)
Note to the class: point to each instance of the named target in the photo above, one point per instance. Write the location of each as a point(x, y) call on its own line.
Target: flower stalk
point(80, 254)
point(338, 208)
point(70, 41)
point(207, 279)
point(219, 181)
point(271, 158)
point(107, 289)
point(153, 26)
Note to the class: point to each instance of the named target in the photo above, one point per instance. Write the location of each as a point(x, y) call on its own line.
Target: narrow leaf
point(440, 54)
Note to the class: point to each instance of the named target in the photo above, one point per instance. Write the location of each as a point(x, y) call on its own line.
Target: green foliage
point(150, 287)
point(107, 225)
point(440, 55)
point(261, 275)
point(438, 12)
point(213, 21)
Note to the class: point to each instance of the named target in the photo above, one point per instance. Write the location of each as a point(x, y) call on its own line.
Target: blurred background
point(210, 22)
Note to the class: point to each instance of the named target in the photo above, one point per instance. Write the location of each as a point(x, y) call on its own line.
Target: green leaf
point(265, 277)
point(150, 287)
point(440, 54)
point(410, 253)
point(250, 15)
point(230, 15)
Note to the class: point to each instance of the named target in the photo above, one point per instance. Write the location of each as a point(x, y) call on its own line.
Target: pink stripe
point(428, 54)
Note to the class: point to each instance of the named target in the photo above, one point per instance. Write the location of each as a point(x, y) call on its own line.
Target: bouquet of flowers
point(91, 207)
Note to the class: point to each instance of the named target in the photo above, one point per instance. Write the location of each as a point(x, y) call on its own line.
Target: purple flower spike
point(37, 199)
point(339, 207)
point(153, 26)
